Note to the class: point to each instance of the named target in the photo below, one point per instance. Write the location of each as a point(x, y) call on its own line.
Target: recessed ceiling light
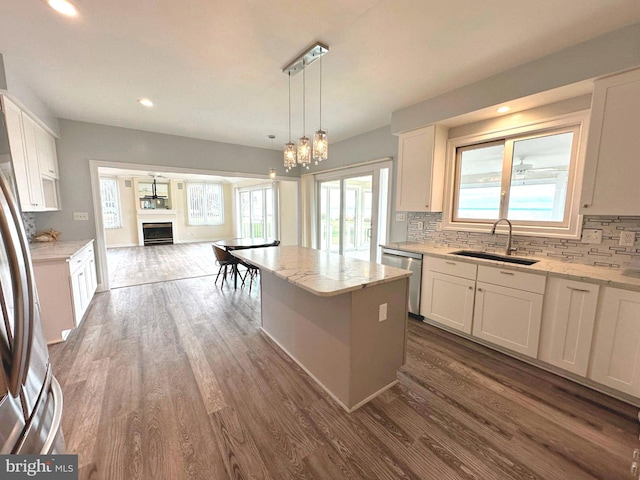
point(146, 102)
point(504, 109)
point(64, 7)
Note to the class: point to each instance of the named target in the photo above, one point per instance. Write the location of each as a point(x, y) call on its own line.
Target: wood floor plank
point(88, 410)
point(241, 456)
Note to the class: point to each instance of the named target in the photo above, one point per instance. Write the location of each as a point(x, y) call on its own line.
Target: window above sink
point(529, 174)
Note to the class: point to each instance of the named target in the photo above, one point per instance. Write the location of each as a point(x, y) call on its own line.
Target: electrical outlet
point(627, 239)
point(382, 312)
point(591, 236)
point(401, 217)
point(82, 216)
point(438, 226)
point(420, 225)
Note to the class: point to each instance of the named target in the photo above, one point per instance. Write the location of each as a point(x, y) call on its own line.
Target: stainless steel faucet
point(493, 232)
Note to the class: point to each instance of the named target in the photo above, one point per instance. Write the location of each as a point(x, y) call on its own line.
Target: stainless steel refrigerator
point(30, 397)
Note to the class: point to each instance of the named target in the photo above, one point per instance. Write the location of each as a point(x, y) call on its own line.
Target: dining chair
point(252, 272)
point(224, 259)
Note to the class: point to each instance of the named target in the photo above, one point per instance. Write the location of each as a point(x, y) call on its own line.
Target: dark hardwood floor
point(174, 380)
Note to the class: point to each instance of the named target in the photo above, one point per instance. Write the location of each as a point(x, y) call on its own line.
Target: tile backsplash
point(608, 253)
point(29, 220)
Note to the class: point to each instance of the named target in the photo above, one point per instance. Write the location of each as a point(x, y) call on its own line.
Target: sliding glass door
point(353, 211)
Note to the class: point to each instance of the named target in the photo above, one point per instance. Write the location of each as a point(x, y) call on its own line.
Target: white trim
point(573, 228)
point(315, 379)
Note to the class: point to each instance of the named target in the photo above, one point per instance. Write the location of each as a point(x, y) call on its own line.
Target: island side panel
point(377, 347)
point(313, 330)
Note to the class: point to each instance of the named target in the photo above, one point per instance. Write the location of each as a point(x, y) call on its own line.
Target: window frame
point(570, 227)
point(118, 203)
point(205, 220)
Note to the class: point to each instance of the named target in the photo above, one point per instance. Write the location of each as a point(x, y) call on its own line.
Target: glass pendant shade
point(304, 152)
point(320, 146)
point(289, 155)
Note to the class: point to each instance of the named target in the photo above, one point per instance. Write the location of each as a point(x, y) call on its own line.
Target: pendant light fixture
point(305, 148)
point(320, 140)
point(272, 171)
point(289, 148)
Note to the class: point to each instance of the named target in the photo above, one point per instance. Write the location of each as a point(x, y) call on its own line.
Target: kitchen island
point(341, 319)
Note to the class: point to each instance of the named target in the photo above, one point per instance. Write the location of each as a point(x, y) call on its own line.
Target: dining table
point(243, 243)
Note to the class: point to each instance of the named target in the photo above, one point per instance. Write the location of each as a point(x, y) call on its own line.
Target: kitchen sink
point(495, 256)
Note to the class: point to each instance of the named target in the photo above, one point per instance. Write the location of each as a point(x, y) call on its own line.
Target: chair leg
point(218, 276)
point(224, 275)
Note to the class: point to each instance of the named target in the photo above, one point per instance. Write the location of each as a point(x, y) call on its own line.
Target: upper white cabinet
point(612, 168)
point(508, 309)
point(568, 316)
point(616, 352)
point(34, 158)
point(421, 161)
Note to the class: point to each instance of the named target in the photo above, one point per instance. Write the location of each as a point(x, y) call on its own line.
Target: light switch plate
point(401, 217)
point(382, 312)
point(83, 216)
point(627, 239)
point(591, 236)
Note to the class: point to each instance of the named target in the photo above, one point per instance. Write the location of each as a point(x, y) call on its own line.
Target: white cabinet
point(508, 309)
point(421, 160)
point(612, 169)
point(615, 358)
point(448, 290)
point(34, 160)
point(568, 316)
point(65, 287)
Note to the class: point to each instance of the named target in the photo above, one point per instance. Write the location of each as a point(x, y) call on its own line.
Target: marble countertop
point(321, 273)
point(46, 251)
point(612, 277)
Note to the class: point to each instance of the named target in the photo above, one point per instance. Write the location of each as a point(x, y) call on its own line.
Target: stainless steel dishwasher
point(407, 261)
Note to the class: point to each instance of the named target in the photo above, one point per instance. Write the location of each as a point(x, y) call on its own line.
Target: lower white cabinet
point(568, 318)
point(508, 317)
point(65, 289)
point(615, 358)
point(448, 290)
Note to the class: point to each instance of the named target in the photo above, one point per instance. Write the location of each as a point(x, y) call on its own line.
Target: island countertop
point(321, 273)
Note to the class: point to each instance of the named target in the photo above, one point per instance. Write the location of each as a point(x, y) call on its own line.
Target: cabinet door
point(612, 169)
point(46, 145)
point(78, 288)
point(508, 317)
point(448, 300)
point(616, 354)
point(568, 316)
point(90, 277)
point(33, 166)
point(421, 157)
point(16, 144)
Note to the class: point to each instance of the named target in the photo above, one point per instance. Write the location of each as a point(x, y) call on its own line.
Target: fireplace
point(159, 233)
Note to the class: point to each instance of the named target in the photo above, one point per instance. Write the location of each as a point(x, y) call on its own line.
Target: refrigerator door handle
point(56, 423)
point(23, 319)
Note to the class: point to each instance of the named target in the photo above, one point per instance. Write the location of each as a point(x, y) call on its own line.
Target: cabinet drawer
point(451, 267)
point(529, 282)
point(80, 258)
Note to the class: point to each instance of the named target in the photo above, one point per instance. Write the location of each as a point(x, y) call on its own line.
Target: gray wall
point(81, 142)
point(368, 146)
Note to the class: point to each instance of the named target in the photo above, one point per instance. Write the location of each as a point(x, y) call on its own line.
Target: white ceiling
point(213, 68)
